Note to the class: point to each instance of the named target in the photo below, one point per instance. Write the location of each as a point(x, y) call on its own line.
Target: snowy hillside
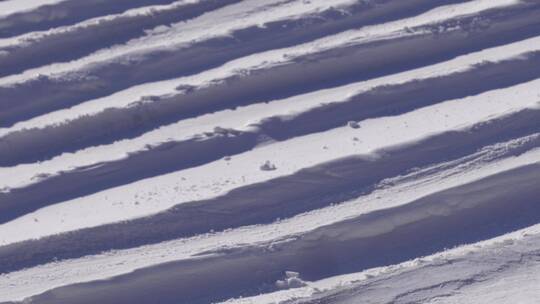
point(269, 151)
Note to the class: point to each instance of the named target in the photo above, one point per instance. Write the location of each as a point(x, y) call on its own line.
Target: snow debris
point(291, 280)
point(268, 166)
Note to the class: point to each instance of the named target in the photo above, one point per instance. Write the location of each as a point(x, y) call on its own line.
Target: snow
point(223, 22)
point(516, 285)
point(9, 7)
point(218, 23)
point(287, 168)
point(165, 191)
point(240, 119)
point(35, 280)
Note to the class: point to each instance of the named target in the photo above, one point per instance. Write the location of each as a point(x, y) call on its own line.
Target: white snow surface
point(165, 191)
point(9, 7)
point(254, 12)
point(130, 174)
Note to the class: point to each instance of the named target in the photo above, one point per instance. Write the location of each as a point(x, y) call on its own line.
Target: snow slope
point(269, 151)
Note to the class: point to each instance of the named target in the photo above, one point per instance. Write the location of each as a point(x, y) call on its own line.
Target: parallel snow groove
point(30, 145)
point(252, 13)
point(162, 192)
point(148, 92)
point(369, 12)
point(86, 39)
point(332, 22)
point(465, 268)
point(64, 13)
point(508, 25)
point(173, 147)
point(469, 213)
point(309, 189)
point(383, 101)
point(446, 275)
point(491, 264)
point(217, 23)
point(296, 104)
point(9, 7)
point(39, 279)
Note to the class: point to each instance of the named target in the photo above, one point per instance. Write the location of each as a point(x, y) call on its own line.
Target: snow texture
point(269, 151)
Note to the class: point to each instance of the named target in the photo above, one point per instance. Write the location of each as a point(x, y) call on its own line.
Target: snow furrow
point(269, 151)
point(238, 17)
point(335, 143)
point(96, 34)
point(310, 189)
point(443, 205)
point(470, 266)
point(56, 13)
point(24, 144)
point(149, 91)
point(107, 77)
point(41, 186)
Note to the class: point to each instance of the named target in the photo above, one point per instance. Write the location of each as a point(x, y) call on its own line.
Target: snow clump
point(268, 166)
point(291, 280)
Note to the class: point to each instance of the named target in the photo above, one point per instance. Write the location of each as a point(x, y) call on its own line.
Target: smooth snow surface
point(270, 151)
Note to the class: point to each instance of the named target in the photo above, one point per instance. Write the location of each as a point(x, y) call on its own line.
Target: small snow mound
point(291, 280)
point(353, 124)
point(268, 166)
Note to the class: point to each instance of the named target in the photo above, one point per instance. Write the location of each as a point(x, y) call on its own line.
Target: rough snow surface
point(270, 151)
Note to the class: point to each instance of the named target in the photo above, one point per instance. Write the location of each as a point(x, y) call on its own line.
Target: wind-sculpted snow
point(269, 151)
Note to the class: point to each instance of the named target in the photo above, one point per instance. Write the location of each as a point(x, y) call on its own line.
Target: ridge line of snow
point(348, 37)
point(349, 280)
point(145, 10)
point(162, 192)
point(235, 17)
point(106, 265)
point(127, 97)
point(25, 174)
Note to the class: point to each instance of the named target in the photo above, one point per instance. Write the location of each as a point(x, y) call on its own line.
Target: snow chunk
point(268, 166)
point(292, 280)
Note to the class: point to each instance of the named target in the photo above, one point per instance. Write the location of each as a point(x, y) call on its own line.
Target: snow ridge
point(272, 151)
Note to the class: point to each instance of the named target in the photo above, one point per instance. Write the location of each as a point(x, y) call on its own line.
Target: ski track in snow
point(271, 151)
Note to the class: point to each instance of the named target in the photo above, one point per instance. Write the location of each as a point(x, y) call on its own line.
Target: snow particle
point(268, 166)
